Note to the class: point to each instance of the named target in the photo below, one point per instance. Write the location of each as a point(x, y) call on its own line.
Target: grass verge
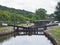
point(4, 28)
point(56, 33)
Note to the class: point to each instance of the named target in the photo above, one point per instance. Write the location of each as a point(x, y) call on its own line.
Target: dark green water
point(25, 40)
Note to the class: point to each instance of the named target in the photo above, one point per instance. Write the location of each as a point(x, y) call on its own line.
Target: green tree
point(57, 12)
point(41, 14)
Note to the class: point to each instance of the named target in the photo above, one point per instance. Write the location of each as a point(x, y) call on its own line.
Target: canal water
point(25, 40)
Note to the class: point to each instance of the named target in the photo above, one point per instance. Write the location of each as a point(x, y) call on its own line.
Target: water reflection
point(4, 38)
point(25, 40)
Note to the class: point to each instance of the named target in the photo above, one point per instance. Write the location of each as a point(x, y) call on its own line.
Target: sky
point(31, 5)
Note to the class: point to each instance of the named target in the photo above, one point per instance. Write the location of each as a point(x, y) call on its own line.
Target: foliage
point(41, 14)
point(57, 12)
point(14, 15)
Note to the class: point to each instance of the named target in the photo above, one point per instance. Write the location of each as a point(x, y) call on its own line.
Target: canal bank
point(6, 30)
point(51, 38)
point(55, 33)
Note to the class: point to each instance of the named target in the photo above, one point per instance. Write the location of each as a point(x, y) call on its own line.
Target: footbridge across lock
point(29, 30)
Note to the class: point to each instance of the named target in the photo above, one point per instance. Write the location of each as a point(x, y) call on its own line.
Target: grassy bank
point(22, 24)
point(4, 28)
point(55, 33)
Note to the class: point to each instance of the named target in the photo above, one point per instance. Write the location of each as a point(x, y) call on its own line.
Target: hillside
point(18, 11)
point(15, 15)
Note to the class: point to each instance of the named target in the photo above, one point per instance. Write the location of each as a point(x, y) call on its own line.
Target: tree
point(57, 12)
point(41, 14)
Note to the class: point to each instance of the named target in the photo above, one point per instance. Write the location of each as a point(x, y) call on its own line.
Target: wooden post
point(37, 31)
